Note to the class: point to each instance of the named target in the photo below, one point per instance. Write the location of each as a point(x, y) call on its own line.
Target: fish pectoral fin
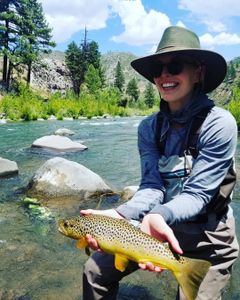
point(81, 243)
point(120, 262)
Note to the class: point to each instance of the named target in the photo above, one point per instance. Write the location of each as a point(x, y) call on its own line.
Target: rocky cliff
point(52, 74)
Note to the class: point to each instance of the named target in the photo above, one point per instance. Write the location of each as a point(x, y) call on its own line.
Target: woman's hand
point(92, 243)
point(154, 225)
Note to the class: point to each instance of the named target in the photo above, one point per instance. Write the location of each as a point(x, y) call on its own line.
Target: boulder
point(64, 132)
point(128, 192)
point(8, 167)
point(58, 143)
point(59, 177)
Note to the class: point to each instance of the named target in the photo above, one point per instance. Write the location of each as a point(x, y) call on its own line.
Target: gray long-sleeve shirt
point(216, 145)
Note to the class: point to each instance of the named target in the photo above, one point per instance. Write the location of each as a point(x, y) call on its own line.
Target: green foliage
point(234, 105)
point(149, 96)
point(132, 90)
point(25, 105)
point(231, 72)
point(75, 65)
point(78, 61)
point(28, 105)
point(119, 77)
point(92, 79)
point(24, 33)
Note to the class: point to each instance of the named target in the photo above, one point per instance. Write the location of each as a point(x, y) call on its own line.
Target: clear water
point(36, 262)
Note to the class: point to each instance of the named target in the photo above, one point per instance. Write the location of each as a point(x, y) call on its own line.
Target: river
point(36, 262)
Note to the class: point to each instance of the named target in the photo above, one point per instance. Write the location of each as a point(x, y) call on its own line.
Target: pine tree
point(9, 34)
point(23, 34)
point(35, 34)
point(119, 77)
point(92, 79)
point(149, 96)
point(132, 90)
point(94, 58)
point(231, 72)
point(73, 60)
point(78, 60)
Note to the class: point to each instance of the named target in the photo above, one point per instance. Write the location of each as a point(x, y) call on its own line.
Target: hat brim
point(215, 64)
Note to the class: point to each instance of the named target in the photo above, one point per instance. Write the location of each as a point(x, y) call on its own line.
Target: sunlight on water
point(38, 263)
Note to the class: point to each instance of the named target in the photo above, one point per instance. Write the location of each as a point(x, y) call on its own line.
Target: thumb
point(173, 242)
point(84, 212)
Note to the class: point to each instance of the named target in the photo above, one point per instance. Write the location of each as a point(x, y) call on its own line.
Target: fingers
point(92, 243)
point(150, 267)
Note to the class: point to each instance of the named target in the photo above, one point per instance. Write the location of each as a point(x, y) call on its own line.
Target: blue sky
point(137, 25)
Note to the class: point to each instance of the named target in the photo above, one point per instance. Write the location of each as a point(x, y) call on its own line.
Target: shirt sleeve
point(217, 145)
point(151, 189)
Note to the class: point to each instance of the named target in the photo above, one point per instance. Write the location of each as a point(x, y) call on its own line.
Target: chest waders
point(219, 203)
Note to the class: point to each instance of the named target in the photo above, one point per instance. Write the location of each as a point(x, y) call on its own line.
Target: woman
point(183, 197)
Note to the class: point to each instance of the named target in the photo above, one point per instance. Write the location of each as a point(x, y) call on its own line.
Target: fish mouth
point(61, 229)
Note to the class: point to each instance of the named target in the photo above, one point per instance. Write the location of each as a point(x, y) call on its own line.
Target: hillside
point(232, 80)
point(53, 76)
point(109, 62)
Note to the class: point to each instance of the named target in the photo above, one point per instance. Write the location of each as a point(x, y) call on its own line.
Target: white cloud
point(218, 8)
point(140, 27)
point(223, 38)
point(68, 18)
point(212, 13)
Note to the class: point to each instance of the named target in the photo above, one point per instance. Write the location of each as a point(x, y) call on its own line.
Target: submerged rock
point(62, 178)
point(64, 132)
point(8, 167)
point(128, 192)
point(58, 143)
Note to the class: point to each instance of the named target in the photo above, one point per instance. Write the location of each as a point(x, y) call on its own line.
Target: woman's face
point(176, 82)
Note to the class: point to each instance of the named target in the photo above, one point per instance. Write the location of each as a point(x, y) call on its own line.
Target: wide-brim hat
point(179, 40)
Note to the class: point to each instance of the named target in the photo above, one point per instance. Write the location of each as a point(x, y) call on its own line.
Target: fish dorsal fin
point(81, 243)
point(120, 262)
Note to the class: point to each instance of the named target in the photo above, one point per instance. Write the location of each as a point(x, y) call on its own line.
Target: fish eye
point(65, 224)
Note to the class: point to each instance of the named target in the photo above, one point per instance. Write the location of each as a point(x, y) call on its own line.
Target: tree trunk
point(29, 73)
point(9, 73)
point(4, 70)
point(5, 58)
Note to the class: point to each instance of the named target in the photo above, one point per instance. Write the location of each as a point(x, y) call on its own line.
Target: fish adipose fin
point(120, 262)
point(190, 276)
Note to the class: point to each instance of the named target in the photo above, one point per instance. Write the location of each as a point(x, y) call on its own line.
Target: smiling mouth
point(169, 85)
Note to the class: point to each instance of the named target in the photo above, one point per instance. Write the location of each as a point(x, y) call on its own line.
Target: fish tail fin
point(190, 276)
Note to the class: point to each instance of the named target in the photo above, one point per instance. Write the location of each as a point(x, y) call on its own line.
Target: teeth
point(166, 85)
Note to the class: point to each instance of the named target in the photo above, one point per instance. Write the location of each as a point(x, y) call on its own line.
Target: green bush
point(28, 105)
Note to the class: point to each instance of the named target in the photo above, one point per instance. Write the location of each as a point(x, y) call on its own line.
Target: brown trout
point(126, 242)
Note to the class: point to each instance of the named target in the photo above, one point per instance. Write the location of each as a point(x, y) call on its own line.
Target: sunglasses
point(174, 67)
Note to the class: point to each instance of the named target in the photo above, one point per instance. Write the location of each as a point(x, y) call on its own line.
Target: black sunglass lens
point(157, 70)
point(175, 67)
